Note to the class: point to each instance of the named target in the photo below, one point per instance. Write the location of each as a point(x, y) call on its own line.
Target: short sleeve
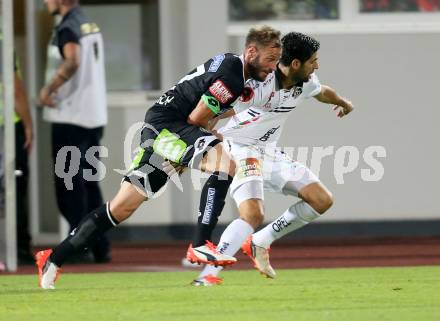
point(226, 86)
point(66, 35)
point(312, 87)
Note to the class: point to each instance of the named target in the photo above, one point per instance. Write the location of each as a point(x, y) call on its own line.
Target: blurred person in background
point(23, 146)
point(75, 103)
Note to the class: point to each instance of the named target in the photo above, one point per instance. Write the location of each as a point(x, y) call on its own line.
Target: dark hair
point(263, 36)
point(297, 46)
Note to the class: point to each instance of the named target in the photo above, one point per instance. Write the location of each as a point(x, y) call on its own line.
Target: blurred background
point(382, 54)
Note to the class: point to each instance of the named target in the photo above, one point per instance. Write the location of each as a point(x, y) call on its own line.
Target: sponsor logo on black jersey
point(219, 90)
point(216, 62)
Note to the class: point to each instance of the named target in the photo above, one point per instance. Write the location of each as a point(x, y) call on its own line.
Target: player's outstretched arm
point(213, 122)
point(202, 115)
point(329, 96)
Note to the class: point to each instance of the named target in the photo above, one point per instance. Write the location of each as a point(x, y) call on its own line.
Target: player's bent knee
point(325, 202)
point(318, 197)
point(254, 219)
point(321, 202)
point(252, 211)
point(228, 166)
point(122, 210)
point(126, 201)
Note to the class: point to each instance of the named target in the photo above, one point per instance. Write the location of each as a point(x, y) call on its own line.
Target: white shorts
point(270, 165)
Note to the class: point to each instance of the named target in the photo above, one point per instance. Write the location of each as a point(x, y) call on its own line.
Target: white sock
point(295, 217)
point(230, 242)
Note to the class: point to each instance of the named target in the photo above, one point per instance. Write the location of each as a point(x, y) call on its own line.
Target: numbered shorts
point(269, 165)
point(167, 137)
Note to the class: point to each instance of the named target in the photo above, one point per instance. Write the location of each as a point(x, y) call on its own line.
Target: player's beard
point(255, 70)
point(301, 77)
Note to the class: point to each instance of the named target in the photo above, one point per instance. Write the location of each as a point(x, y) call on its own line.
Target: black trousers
point(85, 195)
point(21, 189)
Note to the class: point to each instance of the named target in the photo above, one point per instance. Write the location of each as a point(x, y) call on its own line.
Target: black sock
point(95, 224)
point(212, 202)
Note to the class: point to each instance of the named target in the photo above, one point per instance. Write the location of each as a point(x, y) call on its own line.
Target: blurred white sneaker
point(208, 254)
point(188, 265)
point(260, 256)
point(48, 272)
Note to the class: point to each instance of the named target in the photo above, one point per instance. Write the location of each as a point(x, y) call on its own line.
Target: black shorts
point(167, 136)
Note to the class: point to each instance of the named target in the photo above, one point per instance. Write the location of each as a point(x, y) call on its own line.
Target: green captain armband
point(212, 103)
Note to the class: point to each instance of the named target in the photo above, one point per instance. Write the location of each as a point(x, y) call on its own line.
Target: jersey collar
point(69, 13)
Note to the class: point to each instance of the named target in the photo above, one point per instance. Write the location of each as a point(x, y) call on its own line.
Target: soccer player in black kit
point(176, 131)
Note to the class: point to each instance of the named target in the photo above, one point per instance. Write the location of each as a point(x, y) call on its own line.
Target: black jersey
point(72, 28)
point(219, 82)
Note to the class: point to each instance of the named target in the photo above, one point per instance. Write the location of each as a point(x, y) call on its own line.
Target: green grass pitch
point(357, 294)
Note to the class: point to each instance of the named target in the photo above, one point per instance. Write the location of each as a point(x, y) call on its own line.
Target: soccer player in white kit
point(252, 134)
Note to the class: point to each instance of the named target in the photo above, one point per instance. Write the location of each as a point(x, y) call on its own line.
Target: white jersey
point(263, 109)
point(82, 100)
